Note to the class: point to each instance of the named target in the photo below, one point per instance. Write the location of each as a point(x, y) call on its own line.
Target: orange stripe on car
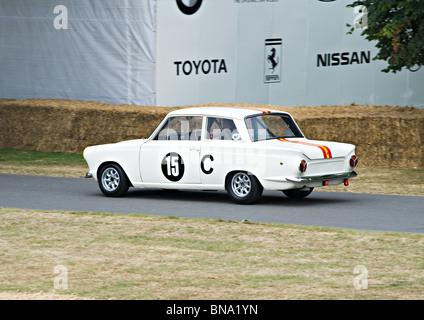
point(325, 150)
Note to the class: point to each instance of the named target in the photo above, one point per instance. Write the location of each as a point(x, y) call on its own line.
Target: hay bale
point(385, 136)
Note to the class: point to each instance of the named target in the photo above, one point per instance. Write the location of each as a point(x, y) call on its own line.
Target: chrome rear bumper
point(328, 177)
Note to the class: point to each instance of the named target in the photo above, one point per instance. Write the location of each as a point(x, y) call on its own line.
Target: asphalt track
point(368, 212)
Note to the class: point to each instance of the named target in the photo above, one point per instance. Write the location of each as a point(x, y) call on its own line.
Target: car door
point(172, 156)
point(219, 153)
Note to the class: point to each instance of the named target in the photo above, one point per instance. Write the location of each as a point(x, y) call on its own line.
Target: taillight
point(353, 161)
point(303, 166)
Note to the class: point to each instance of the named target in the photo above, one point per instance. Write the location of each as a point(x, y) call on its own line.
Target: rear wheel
point(298, 193)
point(243, 188)
point(113, 181)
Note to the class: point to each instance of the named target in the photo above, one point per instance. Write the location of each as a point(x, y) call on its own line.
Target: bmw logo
point(189, 6)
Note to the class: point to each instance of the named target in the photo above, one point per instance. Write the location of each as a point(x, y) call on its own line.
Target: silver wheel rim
point(110, 179)
point(241, 184)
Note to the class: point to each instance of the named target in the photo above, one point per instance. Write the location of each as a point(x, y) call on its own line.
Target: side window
point(221, 129)
point(181, 128)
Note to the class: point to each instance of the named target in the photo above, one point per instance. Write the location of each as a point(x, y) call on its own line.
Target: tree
point(398, 28)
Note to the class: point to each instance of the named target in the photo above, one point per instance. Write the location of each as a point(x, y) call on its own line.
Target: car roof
point(234, 112)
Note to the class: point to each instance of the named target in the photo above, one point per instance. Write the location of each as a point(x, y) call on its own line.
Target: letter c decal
point(202, 164)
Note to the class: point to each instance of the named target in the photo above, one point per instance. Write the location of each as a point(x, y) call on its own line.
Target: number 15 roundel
point(173, 166)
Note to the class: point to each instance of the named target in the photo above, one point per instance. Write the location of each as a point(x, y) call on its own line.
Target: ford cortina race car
point(240, 150)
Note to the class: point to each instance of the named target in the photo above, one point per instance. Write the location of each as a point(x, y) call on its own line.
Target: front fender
point(126, 155)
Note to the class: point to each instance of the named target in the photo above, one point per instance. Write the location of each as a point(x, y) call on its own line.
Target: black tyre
point(243, 188)
point(113, 181)
point(298, 193)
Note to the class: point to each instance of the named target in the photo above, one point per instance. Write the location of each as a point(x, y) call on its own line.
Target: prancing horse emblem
point(273, 59)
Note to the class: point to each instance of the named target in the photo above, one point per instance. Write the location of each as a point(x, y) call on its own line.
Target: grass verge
point(110, 256)
point(42, 163)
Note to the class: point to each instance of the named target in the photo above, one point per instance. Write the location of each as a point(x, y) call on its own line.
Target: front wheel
point(298, 193)
point(243, 188)
point(113, 181)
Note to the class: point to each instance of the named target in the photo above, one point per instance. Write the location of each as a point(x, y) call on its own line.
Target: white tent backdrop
point(178, 52)
point(100, 50)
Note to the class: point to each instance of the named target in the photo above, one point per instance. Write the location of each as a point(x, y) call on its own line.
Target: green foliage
point(398, 28)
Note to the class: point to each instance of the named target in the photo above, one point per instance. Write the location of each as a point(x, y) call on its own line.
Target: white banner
point(179, 52)
point(277, 52)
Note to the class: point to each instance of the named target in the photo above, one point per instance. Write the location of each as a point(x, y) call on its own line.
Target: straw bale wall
point(384, 136)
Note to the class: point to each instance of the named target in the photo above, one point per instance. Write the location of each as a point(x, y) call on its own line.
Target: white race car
point(240, 150)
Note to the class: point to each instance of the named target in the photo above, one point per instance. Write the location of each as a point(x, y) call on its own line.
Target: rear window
point(272, 126)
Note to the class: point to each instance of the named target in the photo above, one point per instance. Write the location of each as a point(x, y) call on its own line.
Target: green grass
point(39, 158)
point(42, 163)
